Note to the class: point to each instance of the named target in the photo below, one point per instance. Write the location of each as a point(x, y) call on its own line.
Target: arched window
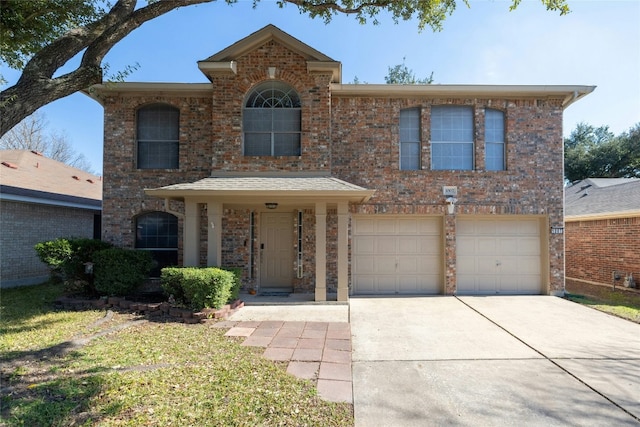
point(158, 128)
point(157, 232)
point(271, 121)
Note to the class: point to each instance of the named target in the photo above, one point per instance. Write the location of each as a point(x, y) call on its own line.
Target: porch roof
point(263, 188)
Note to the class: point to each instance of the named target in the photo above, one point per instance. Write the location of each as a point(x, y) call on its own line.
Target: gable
point(225, 61)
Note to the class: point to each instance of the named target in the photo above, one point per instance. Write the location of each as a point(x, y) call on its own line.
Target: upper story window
point(451, 137)
point(410, 139)
point(272, 121)
point(494, 140)
point(158, 134)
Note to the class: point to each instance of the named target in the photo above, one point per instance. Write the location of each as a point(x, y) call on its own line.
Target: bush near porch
point(113, 271)
point(199, 288)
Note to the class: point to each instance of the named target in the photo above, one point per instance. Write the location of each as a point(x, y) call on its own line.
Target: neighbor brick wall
point(597, 248)
point(24, 225)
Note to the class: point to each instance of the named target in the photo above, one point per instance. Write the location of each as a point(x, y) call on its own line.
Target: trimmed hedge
point(119, 272)
point(200, 288)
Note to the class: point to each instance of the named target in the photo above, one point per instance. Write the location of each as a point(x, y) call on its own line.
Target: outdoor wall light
point(451, 205)
point(271, 205)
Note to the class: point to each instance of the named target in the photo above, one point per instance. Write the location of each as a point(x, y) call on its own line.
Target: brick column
point(450, 286)
point(321, 251)
point(214, 234)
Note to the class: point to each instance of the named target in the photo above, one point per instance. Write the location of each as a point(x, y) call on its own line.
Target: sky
point(598, 43)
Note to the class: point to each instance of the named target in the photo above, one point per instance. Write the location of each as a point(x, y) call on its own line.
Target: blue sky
point(597, 44)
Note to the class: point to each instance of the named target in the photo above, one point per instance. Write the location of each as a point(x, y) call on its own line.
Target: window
point(494, 140)
point(451, 138)
point(271, 121)
point(157, 232)
point(410, 139)
point(158, 130)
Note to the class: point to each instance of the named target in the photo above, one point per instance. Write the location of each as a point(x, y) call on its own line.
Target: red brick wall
point(595, 249)
point(354, 138)
point(366, 151)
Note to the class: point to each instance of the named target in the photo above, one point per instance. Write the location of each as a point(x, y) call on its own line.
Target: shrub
point(237, 282)
point(171, 282)
point(199, 288)
point(119, 272)
point(67, 259)
point(55, 253)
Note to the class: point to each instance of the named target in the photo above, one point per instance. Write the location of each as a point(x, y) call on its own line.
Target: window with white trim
point(158, 129)
point(410, 139)
point(494, 140)
point(451, 137)
point(271, 121)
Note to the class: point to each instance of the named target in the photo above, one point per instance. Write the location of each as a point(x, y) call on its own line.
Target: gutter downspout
point(576, 96)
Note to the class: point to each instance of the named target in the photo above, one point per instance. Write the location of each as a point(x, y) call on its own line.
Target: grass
point(78, 368)
point(621, 303)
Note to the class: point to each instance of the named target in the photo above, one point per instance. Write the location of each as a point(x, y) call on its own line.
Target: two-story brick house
point(311, 185)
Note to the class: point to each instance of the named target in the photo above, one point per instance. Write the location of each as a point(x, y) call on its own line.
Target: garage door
point(397, 255)
point(498, 256)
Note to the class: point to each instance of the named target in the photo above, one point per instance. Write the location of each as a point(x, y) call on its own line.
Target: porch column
point(214, 234)
point(343, 248)
point(190, 235)
point(321, 251)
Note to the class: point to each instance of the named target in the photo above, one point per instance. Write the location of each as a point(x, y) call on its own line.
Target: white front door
point(276, 250)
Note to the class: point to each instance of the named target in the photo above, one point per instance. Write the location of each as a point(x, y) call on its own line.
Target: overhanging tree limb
point(37, 86)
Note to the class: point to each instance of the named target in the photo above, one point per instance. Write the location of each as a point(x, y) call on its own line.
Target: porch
point(275, 197)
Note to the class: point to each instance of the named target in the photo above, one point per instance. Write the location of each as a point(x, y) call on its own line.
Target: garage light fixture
point(271, 205)
point(451, 205)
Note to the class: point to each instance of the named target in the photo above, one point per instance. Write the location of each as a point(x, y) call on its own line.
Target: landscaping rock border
point(156, 310)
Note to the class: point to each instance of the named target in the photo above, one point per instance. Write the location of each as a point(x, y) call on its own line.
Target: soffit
point(568, 93)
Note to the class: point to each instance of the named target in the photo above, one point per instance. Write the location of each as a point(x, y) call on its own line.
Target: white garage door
point(498, 256)
point(397, 255)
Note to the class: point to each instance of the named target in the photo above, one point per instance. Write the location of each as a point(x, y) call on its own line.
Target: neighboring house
point(602, 231)
point(41, 199)
point(312, 185)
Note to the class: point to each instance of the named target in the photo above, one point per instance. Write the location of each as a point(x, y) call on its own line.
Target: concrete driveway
point(492, 361)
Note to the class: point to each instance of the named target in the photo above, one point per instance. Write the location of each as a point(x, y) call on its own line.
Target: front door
point(276, 250)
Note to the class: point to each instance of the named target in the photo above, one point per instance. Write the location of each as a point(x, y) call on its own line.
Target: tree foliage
point(592, 152)
point(40, 36)
point(403, 75)
point(32, 134)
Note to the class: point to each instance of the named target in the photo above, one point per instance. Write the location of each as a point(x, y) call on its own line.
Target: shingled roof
point(265, 185)
point(601, 196)
point(29, 176)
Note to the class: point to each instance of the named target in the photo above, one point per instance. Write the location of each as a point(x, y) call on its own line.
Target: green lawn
point(625, 304)
point(63, 368)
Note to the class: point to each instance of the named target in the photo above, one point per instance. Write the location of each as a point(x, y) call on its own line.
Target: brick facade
point(355, 139)
point(24, 225)
point(599, 250)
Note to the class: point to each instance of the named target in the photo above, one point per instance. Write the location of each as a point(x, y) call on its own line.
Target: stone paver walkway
point(316, 351)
